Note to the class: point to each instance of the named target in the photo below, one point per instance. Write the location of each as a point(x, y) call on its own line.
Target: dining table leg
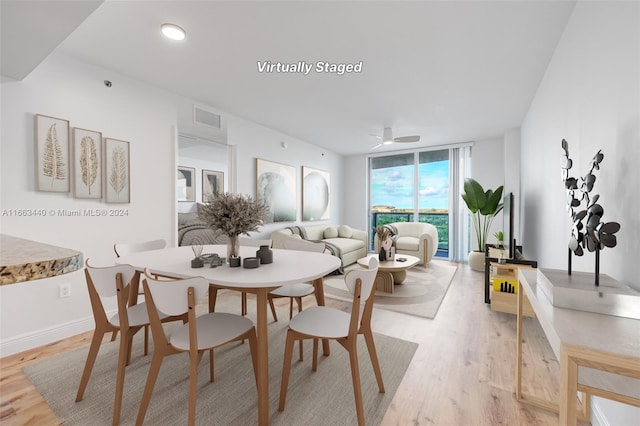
point(263, 357)
point(319, 286)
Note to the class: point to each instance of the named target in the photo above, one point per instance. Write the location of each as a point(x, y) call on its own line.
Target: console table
point(599, 354)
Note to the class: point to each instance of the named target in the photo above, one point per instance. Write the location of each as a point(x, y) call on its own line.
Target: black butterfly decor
point(588, 230)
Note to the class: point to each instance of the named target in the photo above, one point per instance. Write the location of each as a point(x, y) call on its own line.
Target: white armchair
point(415, 239)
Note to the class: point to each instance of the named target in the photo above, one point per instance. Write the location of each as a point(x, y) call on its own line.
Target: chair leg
point(91, 359)
point(244, 303)
point(290, 308)
point(286, 369)
point(253, 348)
point(146, 339)
point(314, 365)
point(152, 376)
point(193, 382)
point(114, 335)
point(211, 365)
point(355, 376)
point(273, 309)
point(123, 354)
point(368, 337)
point(213, 295)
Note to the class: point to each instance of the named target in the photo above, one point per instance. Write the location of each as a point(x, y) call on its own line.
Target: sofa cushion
point(345, 231)
point(346, 245)
point(407, 243)
point(331, 232)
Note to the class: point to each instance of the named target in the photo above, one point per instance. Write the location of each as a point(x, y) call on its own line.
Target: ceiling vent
point(206, 118)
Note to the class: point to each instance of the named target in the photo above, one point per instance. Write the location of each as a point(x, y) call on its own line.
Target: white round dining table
point(288, 267)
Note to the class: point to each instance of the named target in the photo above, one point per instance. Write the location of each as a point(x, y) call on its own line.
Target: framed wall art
point(316, 191)
point(52, 154)
point(212, 184)
point(186, 184)
point(87, 163)
point(276, 187)
point(117, 171)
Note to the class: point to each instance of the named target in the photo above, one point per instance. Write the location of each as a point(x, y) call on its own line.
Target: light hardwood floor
point(463, 372)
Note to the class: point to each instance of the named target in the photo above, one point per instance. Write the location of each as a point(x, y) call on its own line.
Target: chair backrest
point(254, 242)
point(303, 245)
point(123, 249)
point(104, 278)
point(367, 278)
point(170, 296)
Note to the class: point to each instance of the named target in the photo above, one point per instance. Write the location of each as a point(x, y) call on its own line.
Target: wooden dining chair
point(123, 249)
point(200, 333)
point(298, 290)
point(213, 292)
point(321, 322)
point(106, 283)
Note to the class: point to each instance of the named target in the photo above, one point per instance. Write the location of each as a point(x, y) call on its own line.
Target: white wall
point(65, 88)
point(590, 95)
point(255, 141)
point(512, 175)
point(30, 313)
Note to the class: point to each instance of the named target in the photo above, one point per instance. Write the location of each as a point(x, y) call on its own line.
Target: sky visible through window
point(393, 186)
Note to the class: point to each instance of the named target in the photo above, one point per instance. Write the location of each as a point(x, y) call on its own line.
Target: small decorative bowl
point(251, 262)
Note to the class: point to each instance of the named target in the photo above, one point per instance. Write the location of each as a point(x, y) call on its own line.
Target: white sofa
point(351, 242)
point(415, 239)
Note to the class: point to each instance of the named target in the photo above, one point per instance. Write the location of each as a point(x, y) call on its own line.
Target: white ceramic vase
point(476, 260)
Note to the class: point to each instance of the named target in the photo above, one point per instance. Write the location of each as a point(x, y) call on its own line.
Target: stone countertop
point(25, 260)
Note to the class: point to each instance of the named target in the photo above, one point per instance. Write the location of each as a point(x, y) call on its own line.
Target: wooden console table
point(599, 354)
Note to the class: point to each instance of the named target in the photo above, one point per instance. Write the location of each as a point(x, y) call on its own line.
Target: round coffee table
point(391, 272)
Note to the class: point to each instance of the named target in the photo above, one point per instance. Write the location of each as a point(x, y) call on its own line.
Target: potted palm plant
point(483, 206)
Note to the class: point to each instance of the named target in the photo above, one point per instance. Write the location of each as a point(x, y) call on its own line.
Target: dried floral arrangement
point(233, 214)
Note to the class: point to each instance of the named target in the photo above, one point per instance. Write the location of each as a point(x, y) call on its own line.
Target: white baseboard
point(45, 336)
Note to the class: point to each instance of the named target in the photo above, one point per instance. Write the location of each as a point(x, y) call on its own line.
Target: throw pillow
point(345, 231)
point(331, 232)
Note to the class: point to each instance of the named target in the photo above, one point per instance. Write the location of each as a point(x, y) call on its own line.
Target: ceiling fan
point(388, 139)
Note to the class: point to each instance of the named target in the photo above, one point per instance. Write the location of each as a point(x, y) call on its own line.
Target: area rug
point(320, 398)
point(420, 294)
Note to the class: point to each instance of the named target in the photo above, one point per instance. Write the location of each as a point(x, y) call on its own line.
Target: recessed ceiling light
point(173, 32)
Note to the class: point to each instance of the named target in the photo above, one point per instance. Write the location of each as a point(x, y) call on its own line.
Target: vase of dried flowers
point(233, 214)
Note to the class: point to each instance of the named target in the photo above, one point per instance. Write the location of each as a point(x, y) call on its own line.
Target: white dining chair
point(105, 283)
point(200, 333)
point(321, 322)
point(123, 249)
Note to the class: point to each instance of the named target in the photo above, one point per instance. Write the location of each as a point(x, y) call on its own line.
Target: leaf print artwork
point(53, 164)
point(118, 172)
point(88, 161)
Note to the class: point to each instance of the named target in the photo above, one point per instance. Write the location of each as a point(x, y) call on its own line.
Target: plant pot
point(476, 260)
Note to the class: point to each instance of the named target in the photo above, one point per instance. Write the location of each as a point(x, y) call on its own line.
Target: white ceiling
point(449, 71)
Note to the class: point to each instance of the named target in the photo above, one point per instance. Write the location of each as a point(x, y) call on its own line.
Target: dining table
point(288, 267)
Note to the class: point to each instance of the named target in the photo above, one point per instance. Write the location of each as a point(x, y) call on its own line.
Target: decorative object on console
point(117, 171)
point(276, 188)
point(185, 185)
point(52, 153)
point(588, 231)
point(233, 214)
point(87, 163)
point(234, 261)
point(499, 237)
point(316, 192)
point(484, 206)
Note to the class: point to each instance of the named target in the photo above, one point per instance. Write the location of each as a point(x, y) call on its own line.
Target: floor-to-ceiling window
point(419, 186)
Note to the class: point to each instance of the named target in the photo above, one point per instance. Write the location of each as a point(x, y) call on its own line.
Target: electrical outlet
point(64, 290)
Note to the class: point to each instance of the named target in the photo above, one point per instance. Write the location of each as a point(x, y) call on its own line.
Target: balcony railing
point(439, 220)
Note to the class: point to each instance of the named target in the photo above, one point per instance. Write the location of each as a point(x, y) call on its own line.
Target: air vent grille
point(206, 118)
